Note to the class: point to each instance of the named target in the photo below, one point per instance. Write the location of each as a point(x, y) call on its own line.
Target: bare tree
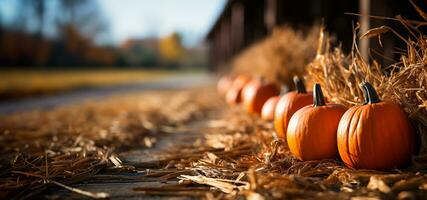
point(85, 16)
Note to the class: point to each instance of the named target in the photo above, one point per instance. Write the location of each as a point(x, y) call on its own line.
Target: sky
point(146, 18)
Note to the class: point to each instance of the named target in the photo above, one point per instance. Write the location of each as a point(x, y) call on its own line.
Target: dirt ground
point(175, 144)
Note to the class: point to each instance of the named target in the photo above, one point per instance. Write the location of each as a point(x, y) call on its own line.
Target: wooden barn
point(243, 22)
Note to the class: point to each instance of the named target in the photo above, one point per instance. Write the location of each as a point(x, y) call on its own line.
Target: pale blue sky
point(145, 18)
point(142, 18)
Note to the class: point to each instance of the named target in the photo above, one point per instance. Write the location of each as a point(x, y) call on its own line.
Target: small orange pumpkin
point(312, 130)
point(376, 135)
point(288, 104)
point(234, 94)
point(268, 109)
point(256, 93)
point(224, 84)
point(267, 112)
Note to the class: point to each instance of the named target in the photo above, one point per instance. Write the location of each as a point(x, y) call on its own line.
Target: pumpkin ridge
point(350, 137)
point(396, 126)
point(393, 152)
point(369, 119)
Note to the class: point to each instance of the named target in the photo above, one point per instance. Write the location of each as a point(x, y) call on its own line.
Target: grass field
point(22, 83)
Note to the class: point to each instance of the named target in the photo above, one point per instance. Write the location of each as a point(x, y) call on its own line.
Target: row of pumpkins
point(374, 135)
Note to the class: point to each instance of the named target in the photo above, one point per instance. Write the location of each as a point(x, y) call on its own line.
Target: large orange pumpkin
point(376, 135)
point(233, 95)
point(256, 93)
point(288, 104)
point(224, 84)
point(312, 130)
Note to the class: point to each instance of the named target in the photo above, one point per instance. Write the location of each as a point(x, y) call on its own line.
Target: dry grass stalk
point(97, 195)
point(224, 185)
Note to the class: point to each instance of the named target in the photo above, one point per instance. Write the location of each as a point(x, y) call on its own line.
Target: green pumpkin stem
point(299, 85)
point(318, 99)
point(371, 95)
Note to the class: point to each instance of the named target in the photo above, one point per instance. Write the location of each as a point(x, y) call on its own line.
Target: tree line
point(68, 33)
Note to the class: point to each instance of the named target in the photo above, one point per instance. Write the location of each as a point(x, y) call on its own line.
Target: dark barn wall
point(331, 13)
point(244, 22)
point(240, 24)
point(391, 44)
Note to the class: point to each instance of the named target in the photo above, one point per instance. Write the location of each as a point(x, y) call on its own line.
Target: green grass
point(26, 82)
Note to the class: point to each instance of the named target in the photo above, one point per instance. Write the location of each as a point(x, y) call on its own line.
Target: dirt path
point(84, 94)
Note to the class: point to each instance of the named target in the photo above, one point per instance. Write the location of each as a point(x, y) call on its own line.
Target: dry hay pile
point(404, 82)
point(72, 144)
point(280, 56)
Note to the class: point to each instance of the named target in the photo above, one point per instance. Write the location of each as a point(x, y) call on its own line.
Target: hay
point(280, 56)
point(269, 171)
point(404, 82)
point(242, 159)
point(238, 156)
point(72, 144)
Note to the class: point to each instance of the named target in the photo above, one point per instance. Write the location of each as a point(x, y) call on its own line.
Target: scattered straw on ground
point(238, 156)
point(72, 144)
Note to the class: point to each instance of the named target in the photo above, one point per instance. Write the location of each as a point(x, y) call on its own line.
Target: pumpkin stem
point(362, 86)
point(371, 95)
point(283, 89)
point(260, 78)
point(318, 99)
point(299, 85)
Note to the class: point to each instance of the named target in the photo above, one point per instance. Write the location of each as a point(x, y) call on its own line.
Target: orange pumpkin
point(233, 95)
point(224, 84)
point(268, 109)
point(288, 104)
point(267, 112)
point(256, 93)
point(312, 130)
point(376, 135)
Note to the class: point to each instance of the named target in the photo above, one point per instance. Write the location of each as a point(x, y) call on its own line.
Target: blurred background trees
point(76, 33)
point(171, 50)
